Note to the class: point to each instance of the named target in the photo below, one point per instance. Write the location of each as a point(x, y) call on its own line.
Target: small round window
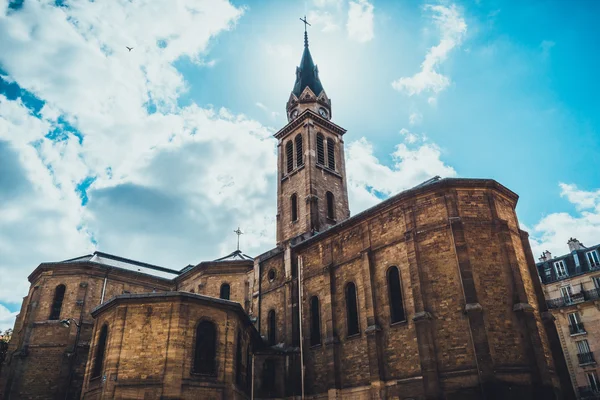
point(271, 275)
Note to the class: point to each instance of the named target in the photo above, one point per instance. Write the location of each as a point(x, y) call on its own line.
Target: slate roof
point(307, 74)
point(576, 263)
point(111, 260)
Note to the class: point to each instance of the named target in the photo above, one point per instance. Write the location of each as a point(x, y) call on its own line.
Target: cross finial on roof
point(305, 34)
point(238, 232)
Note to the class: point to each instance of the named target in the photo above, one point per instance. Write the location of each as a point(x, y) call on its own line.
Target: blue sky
point(159, 153)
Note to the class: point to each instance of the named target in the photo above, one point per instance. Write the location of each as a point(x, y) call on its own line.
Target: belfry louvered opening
point(330, 153)
point(289, 153)
point(299, 151)
point(320, 149)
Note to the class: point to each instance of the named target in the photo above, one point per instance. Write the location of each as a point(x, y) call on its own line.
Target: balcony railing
point(589, 392)
point(576, 328)
point(586, 358)
point(574, 298)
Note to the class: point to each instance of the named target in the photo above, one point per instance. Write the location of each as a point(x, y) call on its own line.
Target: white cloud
point(327, 3)
point(546, 46)
point(415, 118)
point(323, 19)
point(453, 28)
point(271, 113)
point(279, 50)
point(409, 137)
point(74, 59)
point(7, 318)
point(554, 230)
point(360, 21)
point(369, 180)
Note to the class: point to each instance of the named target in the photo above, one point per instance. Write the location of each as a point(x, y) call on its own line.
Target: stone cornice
point(306, 114)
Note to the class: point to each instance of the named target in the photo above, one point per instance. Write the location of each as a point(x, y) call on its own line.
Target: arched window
point(268, 378)
point(330, 206)
point(289, 153)
point(320, 150)
point(395, 292)
point(100, 351)
point(299, 151)
point(294, 206)
point(271, 275)
point(59, 295)
point(225, 291)
point(330, 153)
point(315, 323)
point(351, 309)
point(238, 360)
point(271, 328)
point(206, 348)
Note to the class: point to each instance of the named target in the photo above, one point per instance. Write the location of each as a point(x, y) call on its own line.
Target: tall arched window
point(59, 295)
point(294, 206)
point(330, 206)
point(100, 351)
point(320, 150)
point(206, 348)
point(225, 291)
point(330, 153)
point(351, 309)
point(299, 151)
point(272, 326)
point(395, 293)
point(315, 321)
point(289, 153)
point(238, 360)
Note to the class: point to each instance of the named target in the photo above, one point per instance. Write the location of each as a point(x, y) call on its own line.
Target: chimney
point(546, 256)
point(575, 244)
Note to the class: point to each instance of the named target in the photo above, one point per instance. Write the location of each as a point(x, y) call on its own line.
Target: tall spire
point(307, 73)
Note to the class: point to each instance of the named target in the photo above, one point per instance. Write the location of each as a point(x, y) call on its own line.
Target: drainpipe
point(104, 286)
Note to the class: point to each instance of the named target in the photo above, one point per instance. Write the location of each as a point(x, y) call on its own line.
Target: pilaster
point(422, 317)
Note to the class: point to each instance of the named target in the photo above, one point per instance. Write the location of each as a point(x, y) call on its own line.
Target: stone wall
point(150, 348)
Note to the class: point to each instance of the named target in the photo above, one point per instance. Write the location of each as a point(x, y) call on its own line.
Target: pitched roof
point(111, 260)
point(307, 74)
point(235, 256)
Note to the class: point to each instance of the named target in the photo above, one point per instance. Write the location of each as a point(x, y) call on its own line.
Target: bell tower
point(312, 194)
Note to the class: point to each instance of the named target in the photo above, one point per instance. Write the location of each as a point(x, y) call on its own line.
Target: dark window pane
point(294, 206)
point(59, 295)
point(271, 328)
point(315, 322)
point(205, 353)
point(100, 351)
point(225, 291)
point(351, 309)
point(396, 307)
point(330, 206)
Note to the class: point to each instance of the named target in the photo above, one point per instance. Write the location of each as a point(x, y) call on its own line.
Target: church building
point(430, 294)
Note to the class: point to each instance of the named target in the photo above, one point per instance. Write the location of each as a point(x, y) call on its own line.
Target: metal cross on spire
point(305, 34)
point(238, 232)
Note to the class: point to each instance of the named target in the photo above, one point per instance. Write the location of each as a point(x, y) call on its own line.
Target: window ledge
point(316, 346)
point(353, 336)
point(399, 323)
point(578, 334)
point(293, 172)
point(329, 170)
